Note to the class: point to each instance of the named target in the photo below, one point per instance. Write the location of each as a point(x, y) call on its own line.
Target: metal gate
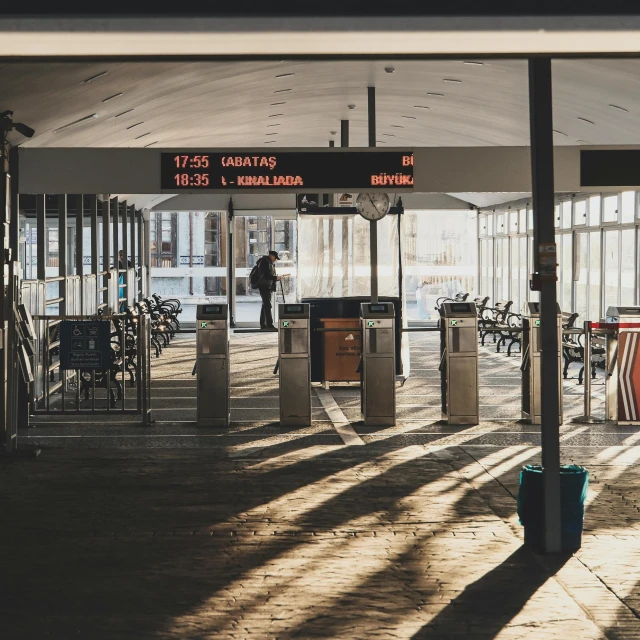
point(123, 388)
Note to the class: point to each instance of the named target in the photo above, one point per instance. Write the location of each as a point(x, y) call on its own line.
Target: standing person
point(267, 285)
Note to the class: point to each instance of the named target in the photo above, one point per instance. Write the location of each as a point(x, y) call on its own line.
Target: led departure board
point(289, 170)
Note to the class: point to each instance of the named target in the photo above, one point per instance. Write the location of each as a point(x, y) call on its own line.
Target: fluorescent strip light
point(275, 104)
point(137, 124)
point(75, 122)
point(115, 95)
point(123, 113)
point(615, 106)
point(282, 90)
point(585, 120)
point(437, 95)
point(474, 63)
point(148, 145)
point(560, 133)
point(98, 75)
point(409, 117)
point(284, 75)
point(276, 115)
point(143, 135)
point(453, 80)
point(420, 106)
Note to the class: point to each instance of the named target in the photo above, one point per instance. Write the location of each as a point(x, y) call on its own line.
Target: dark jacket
point(267, 271)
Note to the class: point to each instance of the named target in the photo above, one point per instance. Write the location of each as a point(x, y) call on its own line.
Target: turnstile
point(459, 363)
point(622, 390)
point(295, 365)
point(531, 373)
point(212, 365)
point(378, 368)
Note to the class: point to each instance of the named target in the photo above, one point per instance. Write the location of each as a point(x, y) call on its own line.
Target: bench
point(492, 317)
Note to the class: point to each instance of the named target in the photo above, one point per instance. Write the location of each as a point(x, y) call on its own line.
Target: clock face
point(373, 206)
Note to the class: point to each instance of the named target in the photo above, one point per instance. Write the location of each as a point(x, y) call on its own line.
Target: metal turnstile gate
point(459, 363)
point(622, 402)
point(212, 365)
point(294, 364)
point(530, 367)
point(378, 368)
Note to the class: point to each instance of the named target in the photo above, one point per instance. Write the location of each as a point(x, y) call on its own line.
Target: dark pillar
point(344, 133)
point(371, 106)
point(63, 269)
point(541, 120)
point(41, 233)
point(92, 202)
point(373, 225)
point(231, 262)
point(106, 247)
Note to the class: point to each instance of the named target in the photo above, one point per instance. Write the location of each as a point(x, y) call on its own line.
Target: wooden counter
point(341, 350)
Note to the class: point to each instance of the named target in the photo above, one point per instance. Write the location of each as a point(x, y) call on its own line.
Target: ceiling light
point(585, 120)
point(351, 106)
point(143, 135)
point(98, 75)
point(453, 80)
point(276, 115)
point(275, 133)
point(137, 124)
point(115, 95)
point(284, 75)
point(389, 69)
point(389, 135)
point(121, 114)
point(148, 145)
point(397, 126)
point(282, 90)
point(560, 133)
point(381, 141)
point(584, 141)
point(275, 124)
point(409, 117)
point(437, 95)
point(269, 141)
point(333, 133)
point(420, 106)
point(474, 63)
point(75, 122)
point(615, 106)
point(273, 104)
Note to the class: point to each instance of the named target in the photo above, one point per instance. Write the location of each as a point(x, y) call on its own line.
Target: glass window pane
point(595, 279)
point(556, 216)
point(580, 212)
point(610, 209)
point(530, 225)
point(522, 215)
point(515, 273)
point(627, 267)
point(524, 273)
point(594, 210)
point(513, 222)
point(611, 268)
point(582, 264)
point(566, 214)
point(482, 226)
point(567, 271)
point(490, 224)
point(499, 223)
point(627, 206)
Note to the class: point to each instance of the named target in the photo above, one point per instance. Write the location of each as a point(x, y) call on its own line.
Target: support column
point(346, 263)
point(541, 122)
point(125, 248)
point(62, 253)
point(373, 225)
point(79, 257)
point(141, 254)
point(106, 247)
point(93, 216)
point(41, 237)
point(146, 235)
point(132, 248)
point(231, 266)
point(344, 133)
point(115, 226)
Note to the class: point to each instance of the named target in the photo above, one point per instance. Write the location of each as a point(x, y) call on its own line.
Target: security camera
point(26, 131)
point(8, 125)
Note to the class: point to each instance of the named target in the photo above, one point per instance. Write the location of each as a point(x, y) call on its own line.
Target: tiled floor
point(256, 531)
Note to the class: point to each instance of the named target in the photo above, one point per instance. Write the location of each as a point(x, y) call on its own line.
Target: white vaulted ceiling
point(234, 104)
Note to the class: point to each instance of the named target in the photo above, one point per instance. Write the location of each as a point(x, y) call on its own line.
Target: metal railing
point(124, 387)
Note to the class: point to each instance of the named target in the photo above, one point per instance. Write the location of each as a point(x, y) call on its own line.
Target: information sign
point(85, 344)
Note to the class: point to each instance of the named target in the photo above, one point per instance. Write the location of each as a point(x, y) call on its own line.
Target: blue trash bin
point(574, 482)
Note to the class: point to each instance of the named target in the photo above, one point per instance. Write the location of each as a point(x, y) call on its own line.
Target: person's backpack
point(254, 276)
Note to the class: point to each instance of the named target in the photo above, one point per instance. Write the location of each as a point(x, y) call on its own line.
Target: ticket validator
point(212, 365)
point(459, 363)
point(294, 358)
point(622, 386)
point(378, 367)
point(531, 362)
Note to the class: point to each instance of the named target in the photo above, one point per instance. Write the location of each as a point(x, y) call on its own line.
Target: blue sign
point(85, 344)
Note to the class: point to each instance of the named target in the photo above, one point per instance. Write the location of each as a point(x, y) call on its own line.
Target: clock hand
point(372, 202)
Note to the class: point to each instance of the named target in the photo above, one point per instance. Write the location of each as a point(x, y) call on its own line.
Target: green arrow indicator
point(285, 323)
point(371, 323)
point(454, 323)
point(203, 325)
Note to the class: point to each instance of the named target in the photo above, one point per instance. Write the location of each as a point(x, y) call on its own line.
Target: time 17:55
point(191, 162)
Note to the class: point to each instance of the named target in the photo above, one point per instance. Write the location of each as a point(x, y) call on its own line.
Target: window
point(482, 226)
point(611, 268)
point(530, 219)
point(627, 266)
point(556, 216)
point(490, 224)
point(53, 248)
point(163, 241)
point(522, 215)
point(513, 222)
point(595, 278)
point(582, 266)
point(627, 206)
point(594, 211)
point(515, 273)
point(524, 273)
point(580, 212)
point(566, 265)
point(500, 224)
point(566, 214)
point(610, 209)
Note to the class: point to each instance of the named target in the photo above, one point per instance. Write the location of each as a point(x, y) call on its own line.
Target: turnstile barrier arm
point(195, 368)
point(525, 360)
point(442, 360)
point(612, 364)
point(277, 367)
